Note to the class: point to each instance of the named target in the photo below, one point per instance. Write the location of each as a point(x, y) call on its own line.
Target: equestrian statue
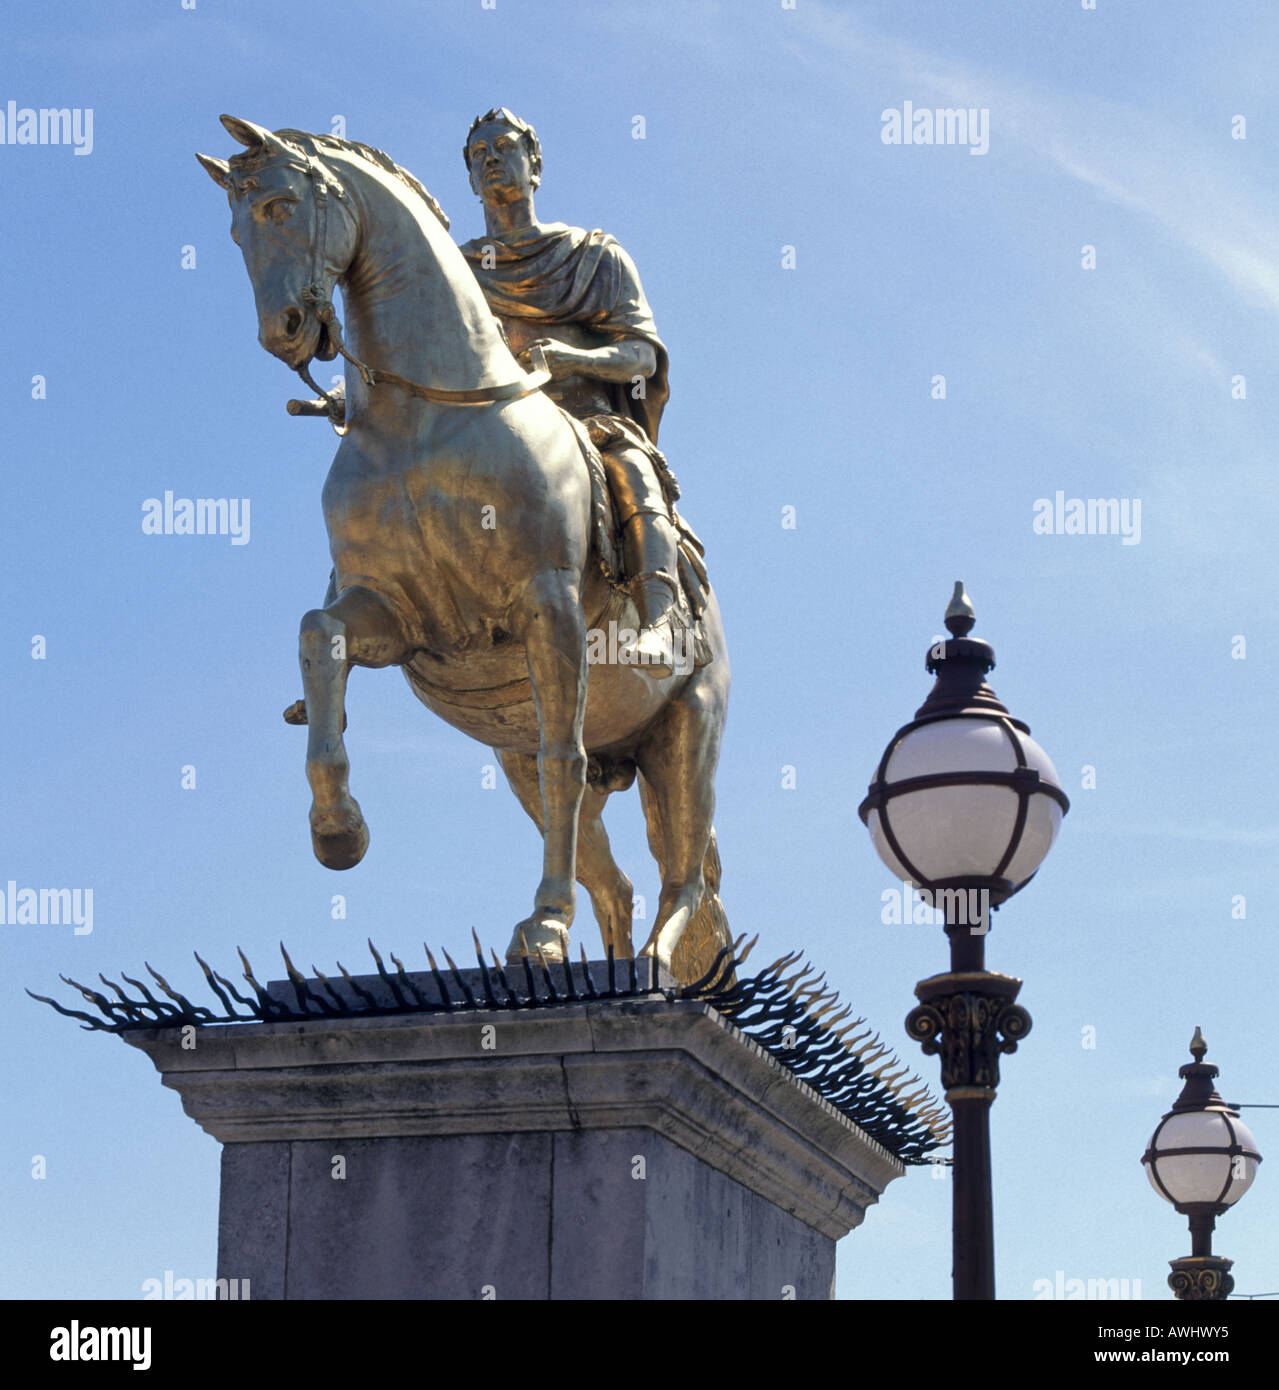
point(501, 522)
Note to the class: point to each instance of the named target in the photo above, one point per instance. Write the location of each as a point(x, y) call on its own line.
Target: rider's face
point(499, 159)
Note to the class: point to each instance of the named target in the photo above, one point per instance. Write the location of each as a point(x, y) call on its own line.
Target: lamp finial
point(1197, 1045)
point(960, 616)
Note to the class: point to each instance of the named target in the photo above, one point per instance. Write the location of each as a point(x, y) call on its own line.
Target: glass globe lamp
point(963, 797)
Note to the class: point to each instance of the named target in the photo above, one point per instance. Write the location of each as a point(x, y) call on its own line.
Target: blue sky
point(808, 388)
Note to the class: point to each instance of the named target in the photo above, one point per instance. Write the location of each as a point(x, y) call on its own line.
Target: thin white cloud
point(1178, 176)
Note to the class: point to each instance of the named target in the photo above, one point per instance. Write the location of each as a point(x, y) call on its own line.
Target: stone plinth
point(615, 1149)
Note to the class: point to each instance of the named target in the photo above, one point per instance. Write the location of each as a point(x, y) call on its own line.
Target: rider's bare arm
point(620, 361)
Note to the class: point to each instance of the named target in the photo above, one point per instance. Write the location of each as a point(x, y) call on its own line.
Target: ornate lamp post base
point(1201, 1278)
point(969, 1017)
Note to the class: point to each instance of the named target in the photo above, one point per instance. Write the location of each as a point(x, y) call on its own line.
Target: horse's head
point(288, 218)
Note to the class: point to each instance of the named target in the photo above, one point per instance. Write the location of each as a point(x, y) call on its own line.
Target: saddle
point(694, 585)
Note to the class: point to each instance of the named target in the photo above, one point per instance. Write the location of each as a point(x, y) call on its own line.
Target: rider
point(577, 295)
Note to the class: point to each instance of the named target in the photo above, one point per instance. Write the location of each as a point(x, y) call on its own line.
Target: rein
point(320, 302)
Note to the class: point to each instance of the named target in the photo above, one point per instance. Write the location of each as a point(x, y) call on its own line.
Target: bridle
point(320, 301)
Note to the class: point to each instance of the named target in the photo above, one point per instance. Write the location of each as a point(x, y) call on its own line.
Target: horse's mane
point(319, 143)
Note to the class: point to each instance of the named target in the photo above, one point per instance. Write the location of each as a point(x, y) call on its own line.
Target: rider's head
point(497, 136)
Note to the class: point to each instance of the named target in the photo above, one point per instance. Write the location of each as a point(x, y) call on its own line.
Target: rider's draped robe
point(564, 274)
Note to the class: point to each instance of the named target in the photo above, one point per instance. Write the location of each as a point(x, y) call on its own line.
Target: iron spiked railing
point(789, 1012)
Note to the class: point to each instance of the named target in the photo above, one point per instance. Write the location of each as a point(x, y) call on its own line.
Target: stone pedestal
point(622, 1149)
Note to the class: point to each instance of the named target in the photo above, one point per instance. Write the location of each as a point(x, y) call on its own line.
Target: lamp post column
point(969, 1017)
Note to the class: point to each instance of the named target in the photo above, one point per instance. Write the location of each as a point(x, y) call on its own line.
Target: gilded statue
point(475, 539)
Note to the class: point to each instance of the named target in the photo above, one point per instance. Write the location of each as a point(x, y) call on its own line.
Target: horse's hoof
point(340, 842)
point(534, 933)
point(653, 950)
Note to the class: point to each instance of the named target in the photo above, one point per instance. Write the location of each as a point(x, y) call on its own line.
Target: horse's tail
point(707, 934)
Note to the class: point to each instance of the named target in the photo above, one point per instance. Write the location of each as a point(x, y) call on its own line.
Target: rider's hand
point(561, 360)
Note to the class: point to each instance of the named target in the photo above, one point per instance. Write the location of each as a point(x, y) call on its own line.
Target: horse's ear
point(246, 132)
point(250, 134)
point(217, 169)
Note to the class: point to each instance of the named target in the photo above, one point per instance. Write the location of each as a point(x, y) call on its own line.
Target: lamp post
point(1202, 1159)
point(965, 806)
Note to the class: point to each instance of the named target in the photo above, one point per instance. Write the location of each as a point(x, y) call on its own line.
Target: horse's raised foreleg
point(548, 621)
point(357, 629)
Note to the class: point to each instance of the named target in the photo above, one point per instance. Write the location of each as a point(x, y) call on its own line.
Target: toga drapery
point(562, 274)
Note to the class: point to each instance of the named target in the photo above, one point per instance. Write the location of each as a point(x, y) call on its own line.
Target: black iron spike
point(440, 982)
point(553, 995)
point(804, 985)
point(358, 990)
point(302, 990)
point(400, 1001)
point(99, 1001)
point(570, 987)
point(727, 989)
point(484, 970)
point(780, 964)
point(402, 976)
point(160, 1008)
point(512, 999)
point(295, 979)
point(533, 1000)
point(251, 1005)
point(195, 1012)
point(467, 993)
point(216, 988)
point(266, 1006)
point(828, 1023)
point(130, 1006)
point(750, 946)
point(88, 1020)
point(705, 984)
point(591, 991)
point(341, 1007)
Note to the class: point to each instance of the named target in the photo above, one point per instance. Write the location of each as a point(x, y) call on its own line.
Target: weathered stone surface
point(617, 1149)
point(253, 1215)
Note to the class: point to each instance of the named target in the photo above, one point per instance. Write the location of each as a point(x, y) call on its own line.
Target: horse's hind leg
point(707, 932)
point(678, 760)
point(358, 629)
point(597, 871)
